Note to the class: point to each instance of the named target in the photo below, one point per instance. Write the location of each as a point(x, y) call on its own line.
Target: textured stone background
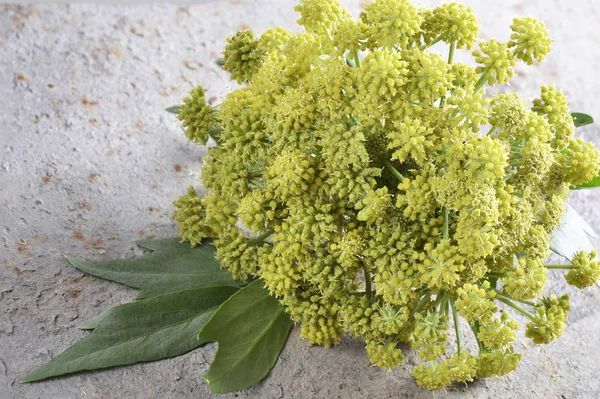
point(89, 162)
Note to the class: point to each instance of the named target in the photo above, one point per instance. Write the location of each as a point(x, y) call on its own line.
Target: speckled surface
point(89, 162)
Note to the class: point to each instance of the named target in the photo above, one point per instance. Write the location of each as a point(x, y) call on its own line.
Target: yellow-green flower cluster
point(496, 61)
point(389, 197)
point(242, 55)
point(548, 323)
point(585, 270)
point(530, 39)
point(391, 23)
point(198, 118)
point(190, 215)
point(452, 23)
point(499, 332)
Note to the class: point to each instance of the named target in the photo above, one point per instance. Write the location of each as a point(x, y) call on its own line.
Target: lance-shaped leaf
point(595, 182)
point(251, 328)
point(175, 109)
point(580, 119)
point(172, 266)
point(157, 328)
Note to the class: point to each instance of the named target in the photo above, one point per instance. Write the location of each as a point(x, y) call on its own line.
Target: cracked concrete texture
point(89, 162)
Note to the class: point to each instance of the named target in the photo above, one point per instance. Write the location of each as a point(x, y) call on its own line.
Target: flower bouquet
point(360, 183)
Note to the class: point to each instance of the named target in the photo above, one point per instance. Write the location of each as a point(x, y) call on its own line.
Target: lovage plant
point(368, 185)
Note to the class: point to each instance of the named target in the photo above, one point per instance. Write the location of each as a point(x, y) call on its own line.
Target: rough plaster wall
point(89, 162)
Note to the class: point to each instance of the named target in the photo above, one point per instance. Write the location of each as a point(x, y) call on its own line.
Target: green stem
point(475, 329)
point(440, 302)
point(516, 307)
point(368, 285)
point(450, 59)
point(262, 237)
point(456, 327)
point(559, 267)
point(421, 303)
point(446, 223)
point(443, 305)
point(425, 46)
point(451, 53)
point(513, 299)
point(491, 130)
point(215, 134)
point(496, 275)
point(481, 81)
point(394, 171)
point(437, 302)
point(356, 58)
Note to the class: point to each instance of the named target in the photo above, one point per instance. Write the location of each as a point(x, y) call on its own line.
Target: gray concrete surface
point(89, 162)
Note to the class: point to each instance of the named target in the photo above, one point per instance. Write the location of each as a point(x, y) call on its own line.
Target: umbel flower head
point(388, 195)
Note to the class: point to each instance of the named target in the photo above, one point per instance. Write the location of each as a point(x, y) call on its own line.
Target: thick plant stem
point(451, 53)
point(356, 58)
point(446, 223)
point(436, 304)
point(475, 329)
point(456, 327)
point(394, 171)
point(481, 81)
point(444, 305)
point(516, 307)
point(368, 285)
point(426, 46)
point(262, 237)
point(559, 267)
point(421, 303)
point(450, 59)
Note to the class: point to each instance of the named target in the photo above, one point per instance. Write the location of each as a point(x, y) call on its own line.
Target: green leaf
point(157, 328)
point(175, 109)
point(220, 61)
point(581, 119)
point(251, 328)
point(595, 182)
point(173, 266)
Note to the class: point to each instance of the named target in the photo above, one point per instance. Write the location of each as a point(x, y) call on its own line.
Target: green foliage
point(181, 288)
point(172, 266)
point(582, 119)
point(175, 109)
point(595, 182)
point(186, 303)
point(156, 328)
point(251, 329)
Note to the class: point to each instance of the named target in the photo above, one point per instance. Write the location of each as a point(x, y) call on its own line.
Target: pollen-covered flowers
point(389, 196)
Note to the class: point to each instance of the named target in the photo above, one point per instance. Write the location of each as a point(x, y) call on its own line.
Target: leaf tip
point(30, 377)
point(175, 109)
point(73, 261)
